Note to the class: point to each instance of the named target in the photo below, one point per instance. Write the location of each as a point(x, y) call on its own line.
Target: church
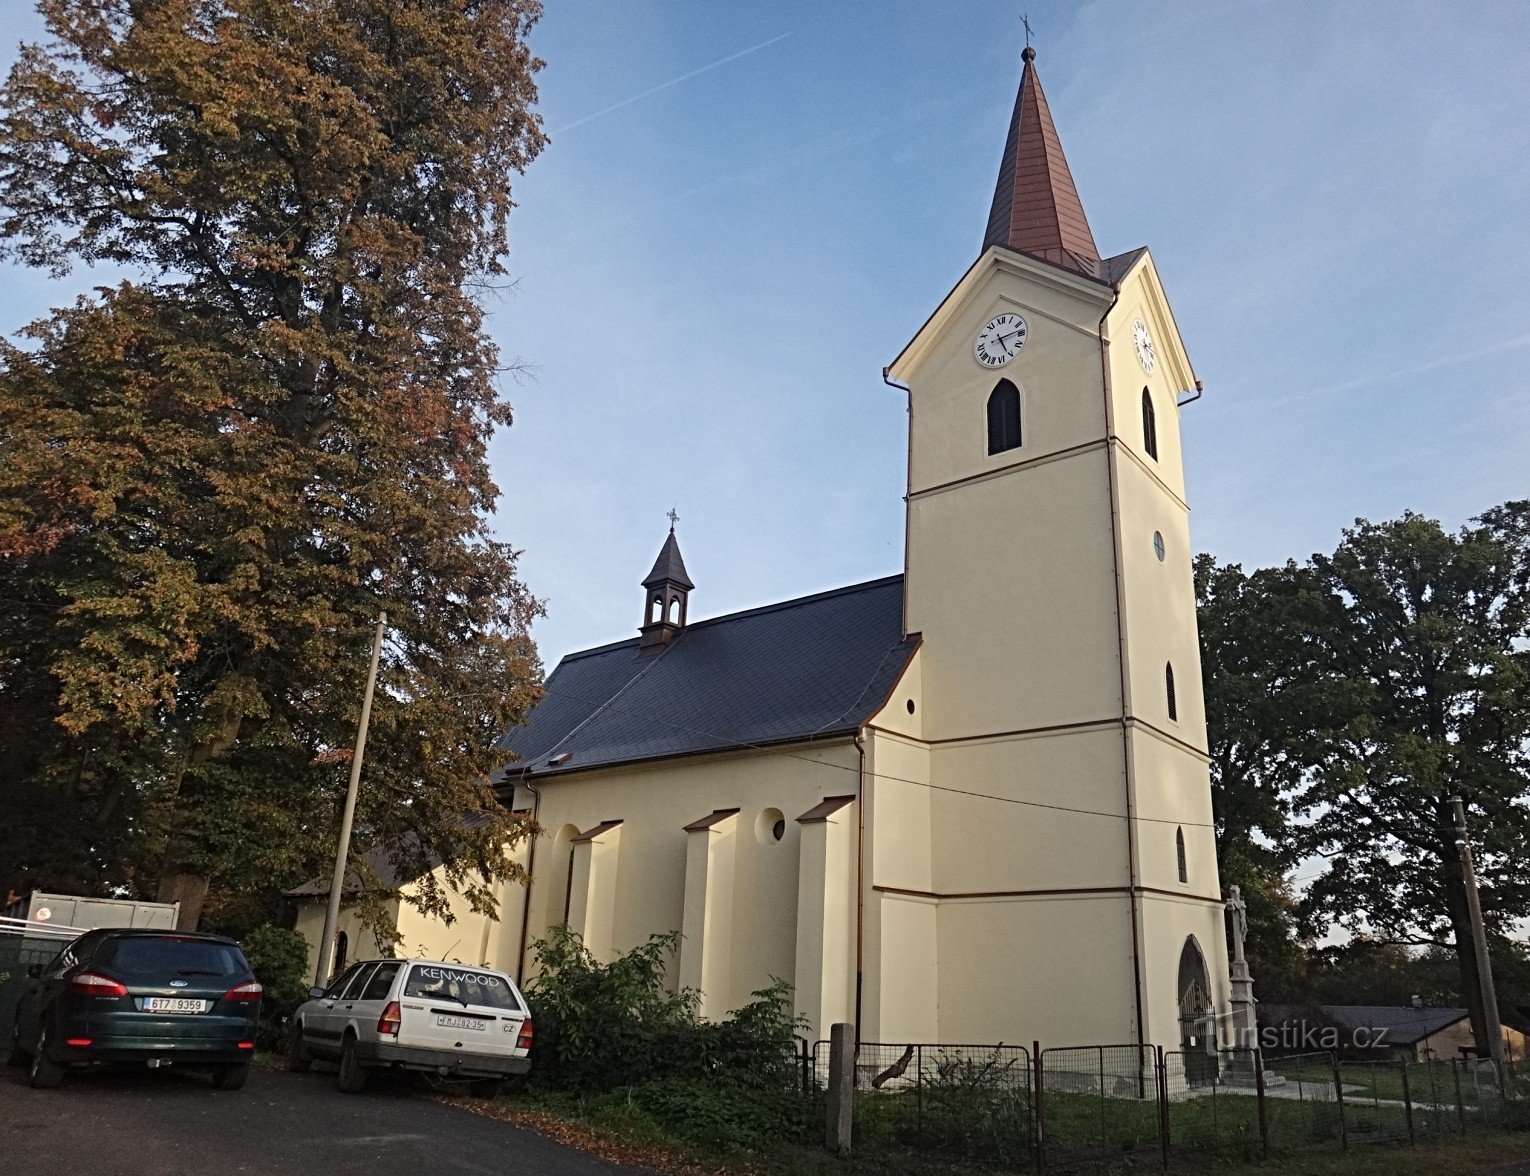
point(967, 803)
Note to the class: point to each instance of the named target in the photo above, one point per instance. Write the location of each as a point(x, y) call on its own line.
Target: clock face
point(1143, 342)
point(1000, 341)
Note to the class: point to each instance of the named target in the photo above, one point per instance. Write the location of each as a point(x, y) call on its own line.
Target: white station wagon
point(447, 1020)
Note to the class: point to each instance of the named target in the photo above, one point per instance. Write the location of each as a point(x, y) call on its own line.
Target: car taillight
point(389, 1021)
point(246, 1045)
point(523, 1038)
point(250, 991)
point(95, 984)
point(77, 1042)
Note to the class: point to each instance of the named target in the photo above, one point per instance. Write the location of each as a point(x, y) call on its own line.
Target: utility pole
point(1489, 995)
point(342, 851)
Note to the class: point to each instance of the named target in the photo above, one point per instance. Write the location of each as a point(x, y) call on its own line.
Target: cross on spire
point(1026, 21)
point(674, 517)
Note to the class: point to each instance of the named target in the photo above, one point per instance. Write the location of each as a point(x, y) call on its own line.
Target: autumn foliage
point(214, 474)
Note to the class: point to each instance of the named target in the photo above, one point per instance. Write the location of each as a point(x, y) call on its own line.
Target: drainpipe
point(1126, 692)
point(860, 880)
point(531, 861)
point(909, 483)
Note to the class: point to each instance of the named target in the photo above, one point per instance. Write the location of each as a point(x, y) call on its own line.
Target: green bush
point(279, 958)
point(717, 1113)
point(616, 1034)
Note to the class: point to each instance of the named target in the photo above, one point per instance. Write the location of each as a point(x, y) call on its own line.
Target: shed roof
point(1404, 1024)
point(811, 668)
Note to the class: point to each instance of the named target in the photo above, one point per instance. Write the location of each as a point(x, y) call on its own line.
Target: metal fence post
point(919, 1094)
point(1041, 1139)
point(1338, 1096)
point(1455, 1072)
point(841, 1092)
point(1264, 1118)
point(1161, 1076)
point(1408, 1104)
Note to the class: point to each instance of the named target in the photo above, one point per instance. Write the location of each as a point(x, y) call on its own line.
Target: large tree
point(214, 475)
point(1264, 703)
point(1347, 699)
point(1429, 632)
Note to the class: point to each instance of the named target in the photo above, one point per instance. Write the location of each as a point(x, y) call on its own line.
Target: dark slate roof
point(810, 668)
point(1113, 269)
point(382, 865)
point(1403, 1023)
point(669, 567)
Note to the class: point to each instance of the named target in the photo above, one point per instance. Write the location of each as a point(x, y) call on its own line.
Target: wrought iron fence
point(1067, 1108)
point(1099, 1102)
point(970, 1102)
point(1213, 1102)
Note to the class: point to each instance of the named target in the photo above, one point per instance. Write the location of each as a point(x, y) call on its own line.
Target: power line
point(726, 744)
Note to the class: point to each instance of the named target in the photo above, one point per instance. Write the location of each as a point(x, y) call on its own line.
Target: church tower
point(1072, 883)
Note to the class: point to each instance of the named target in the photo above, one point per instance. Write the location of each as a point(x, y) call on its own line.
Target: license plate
point(459, 1023)
point(172, 1004)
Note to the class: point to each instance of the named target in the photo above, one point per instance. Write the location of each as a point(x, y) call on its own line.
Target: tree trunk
point(1461, 929)
point(179, 880)
point(187, 888)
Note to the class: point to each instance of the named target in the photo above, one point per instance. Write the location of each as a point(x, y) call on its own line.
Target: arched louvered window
point(1149, 425)
point(1003, 417)
point(1179, 852)
point(1168, 689)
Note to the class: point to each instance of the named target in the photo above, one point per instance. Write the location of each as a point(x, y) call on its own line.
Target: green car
point(118, 997)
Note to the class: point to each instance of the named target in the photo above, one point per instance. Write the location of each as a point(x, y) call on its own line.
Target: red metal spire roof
point(1036, 208)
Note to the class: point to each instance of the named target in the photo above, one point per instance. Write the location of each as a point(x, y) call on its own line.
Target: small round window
point(770, 826)
point(1158, 545)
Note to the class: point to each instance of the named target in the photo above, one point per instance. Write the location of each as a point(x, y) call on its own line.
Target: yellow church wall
point(1142, 297)
point(1062, 314)
point(1022, 969)
point(1160, 608)
point(1011, 580)
point(1173, 792)
point(984, 844)
point(1166, 924)
point(654, 803)
point(900, 985)
point(361, 943)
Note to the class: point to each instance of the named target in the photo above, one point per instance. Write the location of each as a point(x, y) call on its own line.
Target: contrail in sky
point(579, 122)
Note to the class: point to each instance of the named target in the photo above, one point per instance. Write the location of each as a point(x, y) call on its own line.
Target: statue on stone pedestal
point(1245, 1025)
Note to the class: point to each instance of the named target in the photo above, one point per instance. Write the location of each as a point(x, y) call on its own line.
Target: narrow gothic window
point(1149, 425)
point(1003, 417)
point(1179, 849)
point(1168, 687)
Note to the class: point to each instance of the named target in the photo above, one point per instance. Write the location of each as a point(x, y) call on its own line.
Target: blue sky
point(710, 274)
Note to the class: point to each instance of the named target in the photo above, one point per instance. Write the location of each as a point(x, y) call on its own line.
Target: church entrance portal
point(1197, 1027)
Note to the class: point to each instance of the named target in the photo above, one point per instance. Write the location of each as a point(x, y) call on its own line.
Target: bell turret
point(666, 592)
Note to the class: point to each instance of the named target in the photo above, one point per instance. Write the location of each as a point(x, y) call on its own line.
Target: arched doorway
point(1197, 1016)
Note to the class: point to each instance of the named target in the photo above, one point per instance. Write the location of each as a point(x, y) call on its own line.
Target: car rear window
point(149, 955)
point(462, 985)
point(382, 980)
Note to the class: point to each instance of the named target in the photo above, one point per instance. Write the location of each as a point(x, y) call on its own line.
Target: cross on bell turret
point(667, 590)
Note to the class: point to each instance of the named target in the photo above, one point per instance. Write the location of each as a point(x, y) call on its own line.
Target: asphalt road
point(167, 1124)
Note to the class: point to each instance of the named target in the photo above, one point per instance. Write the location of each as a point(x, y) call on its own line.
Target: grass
point(1210, 1136)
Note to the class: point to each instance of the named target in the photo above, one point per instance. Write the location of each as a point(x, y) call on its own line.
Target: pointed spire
point(669, 568)
point(666, 595)
point(1036, 208)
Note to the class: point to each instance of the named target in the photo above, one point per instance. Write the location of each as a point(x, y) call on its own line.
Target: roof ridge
point(757, 610)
